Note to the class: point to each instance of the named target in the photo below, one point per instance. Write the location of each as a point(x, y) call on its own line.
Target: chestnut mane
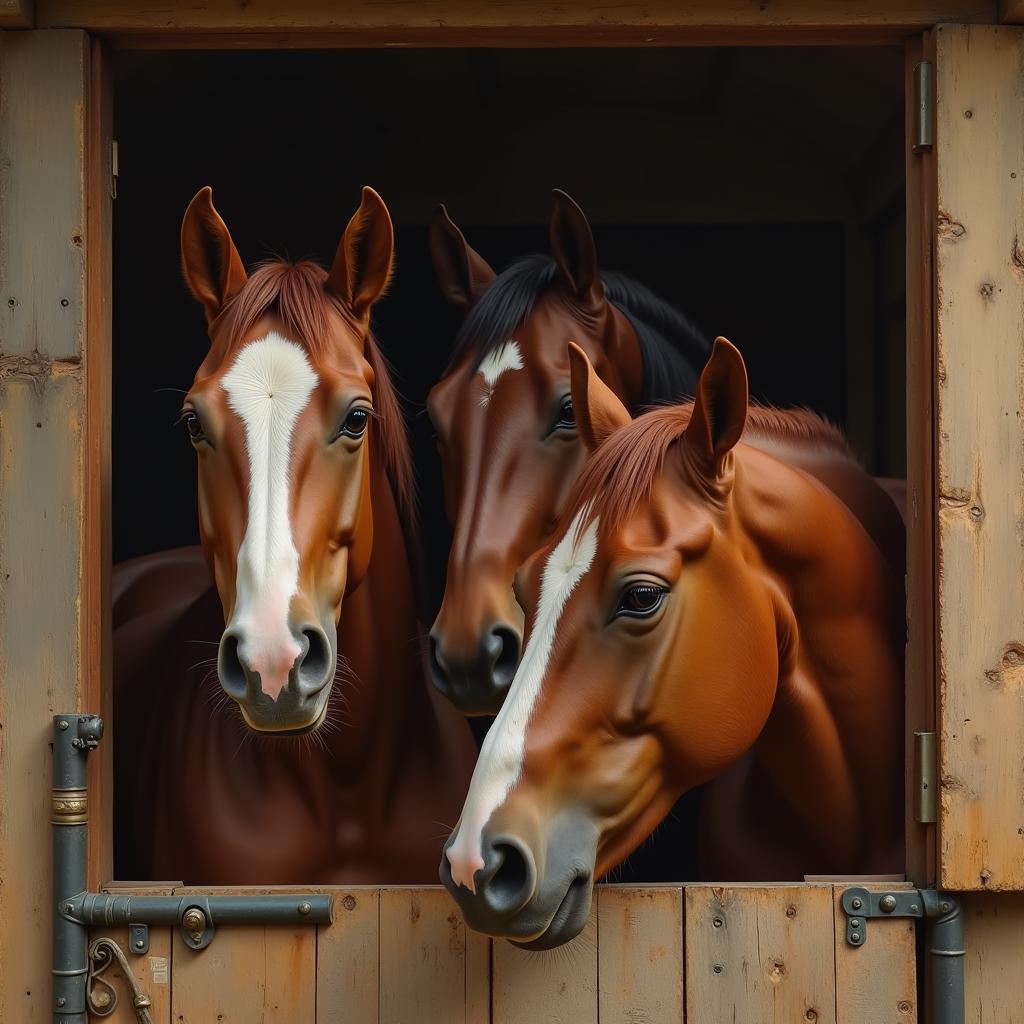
point(296, 293)
point(621, 473)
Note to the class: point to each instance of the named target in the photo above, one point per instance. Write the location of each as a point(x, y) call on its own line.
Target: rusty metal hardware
point(100, 994)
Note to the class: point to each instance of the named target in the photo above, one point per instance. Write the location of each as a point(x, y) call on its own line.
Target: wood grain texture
point(980, 449)
point(439, 22)
point(759, 953)
point(876, 982)
point(152, 970)
point(422, 957)
point(640, 954)
point(248, 975)
point(347, 959)
point(993, 979)
point(557, 987)
point(43, 85)
point(920, 423)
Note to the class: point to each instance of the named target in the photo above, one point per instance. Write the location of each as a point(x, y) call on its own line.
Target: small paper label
point(158, 969)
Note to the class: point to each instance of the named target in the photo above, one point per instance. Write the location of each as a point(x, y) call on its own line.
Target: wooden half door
point(979, 439)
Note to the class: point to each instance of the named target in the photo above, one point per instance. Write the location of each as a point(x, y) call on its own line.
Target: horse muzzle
point(286, 691)
point(534, 902)
point(476, 684)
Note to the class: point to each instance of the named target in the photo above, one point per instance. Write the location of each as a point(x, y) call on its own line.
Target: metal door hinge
point(924, 107)
point(113, 168)
point(925, 778)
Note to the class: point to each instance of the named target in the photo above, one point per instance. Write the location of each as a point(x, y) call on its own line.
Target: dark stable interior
point(759, 191)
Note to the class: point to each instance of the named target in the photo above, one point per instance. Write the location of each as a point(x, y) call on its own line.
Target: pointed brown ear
point(213, 268)
point(720, 410)
point(597, 408)
point(572, 245)
point(461, 271)
point(362, 264)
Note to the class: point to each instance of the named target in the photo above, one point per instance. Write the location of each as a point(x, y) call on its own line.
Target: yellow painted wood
point(980, 441)
point(549, 987)
point(422, 957)
point(248, 975)
point(760, 953)
point(640, 954)
point(347, 975)
point(152, 970)
point(486, 23)
point(994, 981)
point(43, 96)
point(876, 982)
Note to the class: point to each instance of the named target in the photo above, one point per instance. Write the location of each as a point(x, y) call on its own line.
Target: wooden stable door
point(979, 443)
point(658, 955)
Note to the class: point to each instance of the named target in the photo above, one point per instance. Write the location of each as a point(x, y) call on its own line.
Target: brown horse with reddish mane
point(323, 756)
point(710, 609)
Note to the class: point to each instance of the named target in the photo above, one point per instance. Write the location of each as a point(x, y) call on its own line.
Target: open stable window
point(768, 192)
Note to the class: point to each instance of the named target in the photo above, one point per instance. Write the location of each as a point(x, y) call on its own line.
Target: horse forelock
point(295, 292)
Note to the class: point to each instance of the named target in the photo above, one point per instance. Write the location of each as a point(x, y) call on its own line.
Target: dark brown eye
point(355, 423)
point(193, 426)
point(566, 416)
point(640, 600)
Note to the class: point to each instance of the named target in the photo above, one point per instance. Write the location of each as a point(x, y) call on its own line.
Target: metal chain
point(102, 953)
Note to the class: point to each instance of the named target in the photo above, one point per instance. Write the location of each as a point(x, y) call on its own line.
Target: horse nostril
point(229, 667)
point(314, 670)
point(502, 647)
point(509, 889)
point(438, 669)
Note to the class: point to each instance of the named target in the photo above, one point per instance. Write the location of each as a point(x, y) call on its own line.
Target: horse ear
point(720, 410)
point(572, 245)
point(362, 264)
point(597, 408)
point(213, 269)
point(461, 271)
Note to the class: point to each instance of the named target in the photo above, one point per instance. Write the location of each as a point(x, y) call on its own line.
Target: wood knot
point(950, 228)
point(777, 973)
point(987, 290)
point(791, 911)
point(349, 903)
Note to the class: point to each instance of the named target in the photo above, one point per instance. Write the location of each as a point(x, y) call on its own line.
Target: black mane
point(673, 349)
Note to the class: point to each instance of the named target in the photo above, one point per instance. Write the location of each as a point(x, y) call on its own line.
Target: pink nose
point(274, 667)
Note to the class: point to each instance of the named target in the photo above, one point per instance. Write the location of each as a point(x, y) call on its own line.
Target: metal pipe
point(73, 736)
point(113, 910)
point(945, 947)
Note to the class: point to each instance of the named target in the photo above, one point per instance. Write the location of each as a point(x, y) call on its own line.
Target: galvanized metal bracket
point(861, 904)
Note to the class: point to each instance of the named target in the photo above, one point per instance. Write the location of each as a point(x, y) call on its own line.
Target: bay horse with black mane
point(709, 609)
point(506, 432)
point(323, 756)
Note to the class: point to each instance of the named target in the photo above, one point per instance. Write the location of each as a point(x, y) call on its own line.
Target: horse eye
point(193, 426)
point(566, 416)
point(355, 423)
point(640, 600)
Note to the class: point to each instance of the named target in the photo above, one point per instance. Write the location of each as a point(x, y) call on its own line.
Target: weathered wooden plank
point(347, 959)
point(640, 954)
point(43, 93)
point(152, 970)
point(920, 504)
point(994, 981)
point(478, 978)
point(437, 22)
point(876, 982)
point(248, 975)
point(980, 448)
point(758, 953)
point(422, 957)
point(550, 987)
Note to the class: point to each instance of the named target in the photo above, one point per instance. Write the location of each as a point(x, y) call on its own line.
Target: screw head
point(855, 923)
point(944, 907)
point(855, 936)
point(857, 903)
point(717, 922)
point(139, 944)
point(887, 904)
point(69, 908)
point(304, 908)
point(63, 724)
point(62, 1001)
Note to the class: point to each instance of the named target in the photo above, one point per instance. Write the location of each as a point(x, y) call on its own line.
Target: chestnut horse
point(504, 422)
point(709, 611)
point(304, 486)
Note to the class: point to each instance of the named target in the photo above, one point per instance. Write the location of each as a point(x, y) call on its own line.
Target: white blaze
point(503, 359)
point(500, 763)
point(268, 386)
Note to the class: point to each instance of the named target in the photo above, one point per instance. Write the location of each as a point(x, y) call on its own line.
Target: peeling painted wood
point(980, 451)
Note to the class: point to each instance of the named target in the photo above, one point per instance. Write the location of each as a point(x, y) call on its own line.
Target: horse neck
point(833, 740)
